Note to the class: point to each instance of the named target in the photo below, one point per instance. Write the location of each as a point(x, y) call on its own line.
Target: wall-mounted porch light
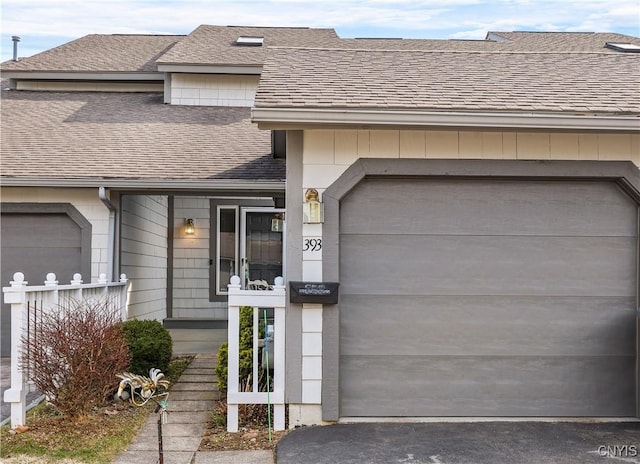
point(313, 209)
point(189, 227)
point(277, 223)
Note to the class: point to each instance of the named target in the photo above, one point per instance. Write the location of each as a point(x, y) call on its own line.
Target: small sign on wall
point(313, 292)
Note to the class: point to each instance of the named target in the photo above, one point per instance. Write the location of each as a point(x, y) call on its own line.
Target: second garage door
point(36, 244)
point(487, 298)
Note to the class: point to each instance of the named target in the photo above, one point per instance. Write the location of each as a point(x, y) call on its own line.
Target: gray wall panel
point(293, 267)
point(487, 325)
point(487, 386)
point(480, 207)
point(487, 265)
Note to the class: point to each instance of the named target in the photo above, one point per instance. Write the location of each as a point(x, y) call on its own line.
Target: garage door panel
point(480, 265)
point(488, 325)
point(36, 244)
point(488, 208)
point(511, 385)
point(487, 298)
point(30, 230)
point(64, 263)
point(503, 208)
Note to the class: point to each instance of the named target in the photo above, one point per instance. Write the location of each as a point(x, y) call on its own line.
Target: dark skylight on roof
point(250, 41)
point(624, 47)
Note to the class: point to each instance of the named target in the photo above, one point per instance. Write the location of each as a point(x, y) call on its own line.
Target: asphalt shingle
point(83, 135)
point(215, 45)
point(448, 80)
point(100, 52)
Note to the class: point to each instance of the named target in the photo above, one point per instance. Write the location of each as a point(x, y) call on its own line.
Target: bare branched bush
point(73, 354)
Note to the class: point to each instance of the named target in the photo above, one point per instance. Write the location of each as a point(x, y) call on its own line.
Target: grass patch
point(97, 437)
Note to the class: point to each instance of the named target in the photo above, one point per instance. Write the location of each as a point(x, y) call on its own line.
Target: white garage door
point(487, 298)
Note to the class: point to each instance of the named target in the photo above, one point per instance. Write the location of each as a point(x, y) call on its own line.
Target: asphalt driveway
point(463, 443)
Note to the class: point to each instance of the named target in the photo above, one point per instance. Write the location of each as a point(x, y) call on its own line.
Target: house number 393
point(312, 244)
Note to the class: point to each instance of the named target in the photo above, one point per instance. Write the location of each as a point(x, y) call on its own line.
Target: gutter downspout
point(102, 193)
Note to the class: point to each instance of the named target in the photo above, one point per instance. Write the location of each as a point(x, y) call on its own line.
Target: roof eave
point(226, 185)
point(85, 76)
point(210, 68)
point(284, 118)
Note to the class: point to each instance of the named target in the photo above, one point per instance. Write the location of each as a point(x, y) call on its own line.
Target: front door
point(261, 246)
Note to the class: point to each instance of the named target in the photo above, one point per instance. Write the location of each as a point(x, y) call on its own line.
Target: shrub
point(150, 345)
point(222, 368)
point(245, 364)
point(74, 353)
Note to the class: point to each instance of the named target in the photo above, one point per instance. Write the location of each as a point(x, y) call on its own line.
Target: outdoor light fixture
point(313, 209)
point(189, 227)
point(277, 223)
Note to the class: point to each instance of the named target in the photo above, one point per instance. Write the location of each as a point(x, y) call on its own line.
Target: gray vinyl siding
point(144, 253)
point(191, 258)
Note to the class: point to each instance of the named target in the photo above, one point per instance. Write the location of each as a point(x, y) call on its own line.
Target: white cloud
point(58, 21)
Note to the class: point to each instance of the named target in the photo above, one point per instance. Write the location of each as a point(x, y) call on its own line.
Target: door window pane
point(263, 260)
point(228, 249)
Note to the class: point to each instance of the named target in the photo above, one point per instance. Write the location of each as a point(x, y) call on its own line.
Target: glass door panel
point(261, 247)
point(227, 247)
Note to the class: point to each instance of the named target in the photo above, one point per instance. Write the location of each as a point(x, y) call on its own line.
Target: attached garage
point(37, 239)
point(465, 293)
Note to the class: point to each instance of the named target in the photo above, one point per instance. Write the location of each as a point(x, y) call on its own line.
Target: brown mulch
point(247, 438)
point(253, 433)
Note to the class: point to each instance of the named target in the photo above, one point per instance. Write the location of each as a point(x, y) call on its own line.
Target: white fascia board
point(146, 184)
point(296, 117)
point(210, 69)
point(85, 76)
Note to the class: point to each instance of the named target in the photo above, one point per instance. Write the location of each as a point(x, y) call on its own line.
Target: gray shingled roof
point(564, 41)
point(510, 42)
point(129, 136)
point(98, 52)
point(467, 81)
point(213, 45)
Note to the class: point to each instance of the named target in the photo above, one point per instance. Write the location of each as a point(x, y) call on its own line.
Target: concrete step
point(189, 378)
point(190, 405)
point(194, 395)
point(194, 387)
point(169, 457)
point(200, 371)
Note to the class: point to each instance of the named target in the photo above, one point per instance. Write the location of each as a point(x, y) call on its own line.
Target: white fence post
point(278, 354)
point(274, 298)
point(233, 354)
point(124, 294)
point(17, 394)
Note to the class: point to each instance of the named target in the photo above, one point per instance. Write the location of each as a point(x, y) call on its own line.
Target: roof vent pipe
point(15, 40)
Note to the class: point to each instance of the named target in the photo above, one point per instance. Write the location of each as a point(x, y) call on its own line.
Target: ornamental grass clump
point(73, 353)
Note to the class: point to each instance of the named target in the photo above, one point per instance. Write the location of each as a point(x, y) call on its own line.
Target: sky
point(44, 24)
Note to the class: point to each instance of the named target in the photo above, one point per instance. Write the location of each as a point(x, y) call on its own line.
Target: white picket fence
point(273, 298)
point(28, 303)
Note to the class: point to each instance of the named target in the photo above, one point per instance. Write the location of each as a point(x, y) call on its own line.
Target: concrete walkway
point(191, 403)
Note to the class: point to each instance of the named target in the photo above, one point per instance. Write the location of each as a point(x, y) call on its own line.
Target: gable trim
point(278, 118)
